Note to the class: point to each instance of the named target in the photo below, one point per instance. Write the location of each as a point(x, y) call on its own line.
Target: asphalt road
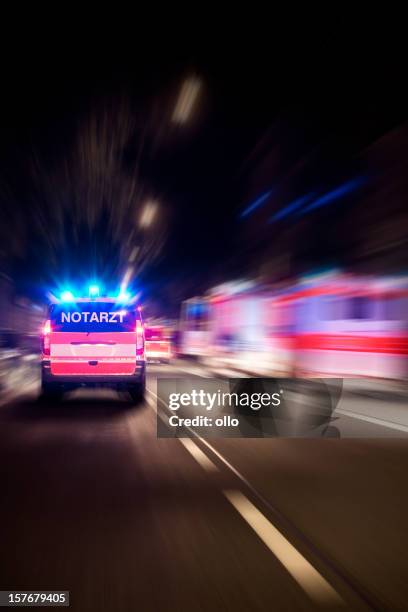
point(92, 502)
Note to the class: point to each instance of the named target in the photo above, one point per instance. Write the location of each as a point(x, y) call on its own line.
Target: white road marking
point(302, 571)
point(196, 435)
point(198, 455)
point(370, 419)
point(308, 578)
point(359, 416)
point(188, 444)
point(150, 400)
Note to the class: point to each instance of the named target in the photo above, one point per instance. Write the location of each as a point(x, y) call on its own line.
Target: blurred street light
point(148, 213)
point(187, 97)
point(126, 278)
point(133, 254)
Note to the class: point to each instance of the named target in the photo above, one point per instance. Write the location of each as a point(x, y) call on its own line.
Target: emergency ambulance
point(93, 341)
point(158, 344)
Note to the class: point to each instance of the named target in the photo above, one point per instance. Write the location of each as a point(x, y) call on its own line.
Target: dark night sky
point(202, 175)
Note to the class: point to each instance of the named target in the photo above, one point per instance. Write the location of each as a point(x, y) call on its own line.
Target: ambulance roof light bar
point(93, 291)
point(94, 294)
point(67, 296)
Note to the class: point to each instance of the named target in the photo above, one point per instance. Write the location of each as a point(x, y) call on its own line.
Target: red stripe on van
point(397, 345)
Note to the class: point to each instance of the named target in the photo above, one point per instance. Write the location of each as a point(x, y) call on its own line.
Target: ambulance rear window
point(92, 317)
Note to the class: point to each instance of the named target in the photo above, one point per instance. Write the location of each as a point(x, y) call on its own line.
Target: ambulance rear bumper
point(105, 379)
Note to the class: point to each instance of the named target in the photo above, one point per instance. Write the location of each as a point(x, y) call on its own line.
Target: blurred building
point(20, 318)
point(309, 206)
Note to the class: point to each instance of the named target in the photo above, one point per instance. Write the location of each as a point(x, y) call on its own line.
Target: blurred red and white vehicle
point(158, 344)
point(335, 324)
point(194, 328)
point(93, 342)
point(351, 326)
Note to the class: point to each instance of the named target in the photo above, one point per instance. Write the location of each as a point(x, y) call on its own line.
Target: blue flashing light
point(67, 296)
point(93, 291)
point(123, 297)
point(254, 205)
point(334, 194)
point(295, 205)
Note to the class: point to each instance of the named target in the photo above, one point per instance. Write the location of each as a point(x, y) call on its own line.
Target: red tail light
point(139, 337)
point(46, 338)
